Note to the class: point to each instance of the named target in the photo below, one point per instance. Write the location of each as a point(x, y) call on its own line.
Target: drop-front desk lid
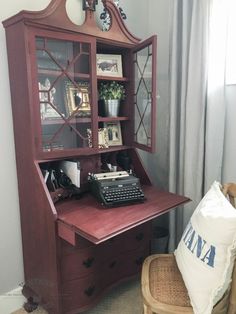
point(87, 218)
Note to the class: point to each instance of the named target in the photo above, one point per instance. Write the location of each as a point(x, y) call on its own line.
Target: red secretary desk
point(74, 249)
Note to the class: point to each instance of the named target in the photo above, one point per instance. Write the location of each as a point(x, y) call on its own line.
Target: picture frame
point(109, 65)
point(47, 101)
point(102, 138)
point(77, 99)
point(47, 112)
point(114, 133)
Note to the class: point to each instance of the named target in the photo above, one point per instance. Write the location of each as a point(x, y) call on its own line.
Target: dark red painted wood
point(55, 237)
point(53, 16)
point(152, 41)
point(89, 219)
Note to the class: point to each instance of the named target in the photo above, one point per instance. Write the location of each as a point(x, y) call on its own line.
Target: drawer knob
point(112, 264)
point(139, 260)
point(88, 262)
point(139, 236)
point(90, 291)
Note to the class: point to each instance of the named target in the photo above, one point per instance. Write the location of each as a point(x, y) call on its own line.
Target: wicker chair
point(163, 288)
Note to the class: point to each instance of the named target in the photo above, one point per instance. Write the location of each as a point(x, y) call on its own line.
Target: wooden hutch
point(74, 249)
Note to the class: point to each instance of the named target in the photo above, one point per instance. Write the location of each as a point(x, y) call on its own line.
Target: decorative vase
point(111, 107)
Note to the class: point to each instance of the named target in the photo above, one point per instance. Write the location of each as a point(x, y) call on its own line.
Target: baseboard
point(11, 301)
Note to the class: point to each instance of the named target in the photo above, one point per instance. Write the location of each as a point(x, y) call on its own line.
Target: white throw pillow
point(206, 252)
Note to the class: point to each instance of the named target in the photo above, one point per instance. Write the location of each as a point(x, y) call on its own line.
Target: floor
point(123, 299)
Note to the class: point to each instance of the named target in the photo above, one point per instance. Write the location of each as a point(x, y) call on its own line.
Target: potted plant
point(111, 93)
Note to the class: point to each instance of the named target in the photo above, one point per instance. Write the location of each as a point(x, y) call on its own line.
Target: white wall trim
point(11, 301)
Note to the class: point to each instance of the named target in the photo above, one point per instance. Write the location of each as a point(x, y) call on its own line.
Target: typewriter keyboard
point(131, 194)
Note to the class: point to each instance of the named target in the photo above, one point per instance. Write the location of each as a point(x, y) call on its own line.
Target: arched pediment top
point(55, 16)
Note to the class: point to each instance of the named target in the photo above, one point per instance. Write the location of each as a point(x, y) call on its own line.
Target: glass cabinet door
point(144, 58)
point(64, 87)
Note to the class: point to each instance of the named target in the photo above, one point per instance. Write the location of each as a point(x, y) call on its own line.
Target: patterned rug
point(123, 299)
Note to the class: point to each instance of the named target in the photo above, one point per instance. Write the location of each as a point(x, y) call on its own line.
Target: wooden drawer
point(77, 262)
point(81, 292)
point(127, 241)
point(124, 265)
point(138, 237)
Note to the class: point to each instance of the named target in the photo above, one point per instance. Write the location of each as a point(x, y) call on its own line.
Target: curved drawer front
point(81, 292)
point(124, 265)
point(86, 290)
point(76, 263)
point(80, 263)
point(127, 241)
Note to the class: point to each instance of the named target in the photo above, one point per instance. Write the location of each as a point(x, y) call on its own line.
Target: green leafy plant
point(111, 90)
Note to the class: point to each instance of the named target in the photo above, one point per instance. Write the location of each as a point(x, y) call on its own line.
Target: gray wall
point(158, 163)
point(11, 263)
point(11, 269)
point(159, 15)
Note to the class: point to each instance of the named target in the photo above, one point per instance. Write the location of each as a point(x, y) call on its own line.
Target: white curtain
point(216, 100)
point(197, 106)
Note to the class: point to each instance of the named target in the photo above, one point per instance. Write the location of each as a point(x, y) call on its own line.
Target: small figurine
point(89, 5)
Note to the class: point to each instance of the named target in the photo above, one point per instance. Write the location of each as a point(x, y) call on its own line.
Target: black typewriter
point(116, 188)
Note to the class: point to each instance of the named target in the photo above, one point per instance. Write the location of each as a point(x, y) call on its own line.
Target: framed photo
point(114, 133)
point(102, 138)
point(47, 101)
point(109, 65)
point(47, 112)
point(78, 99)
